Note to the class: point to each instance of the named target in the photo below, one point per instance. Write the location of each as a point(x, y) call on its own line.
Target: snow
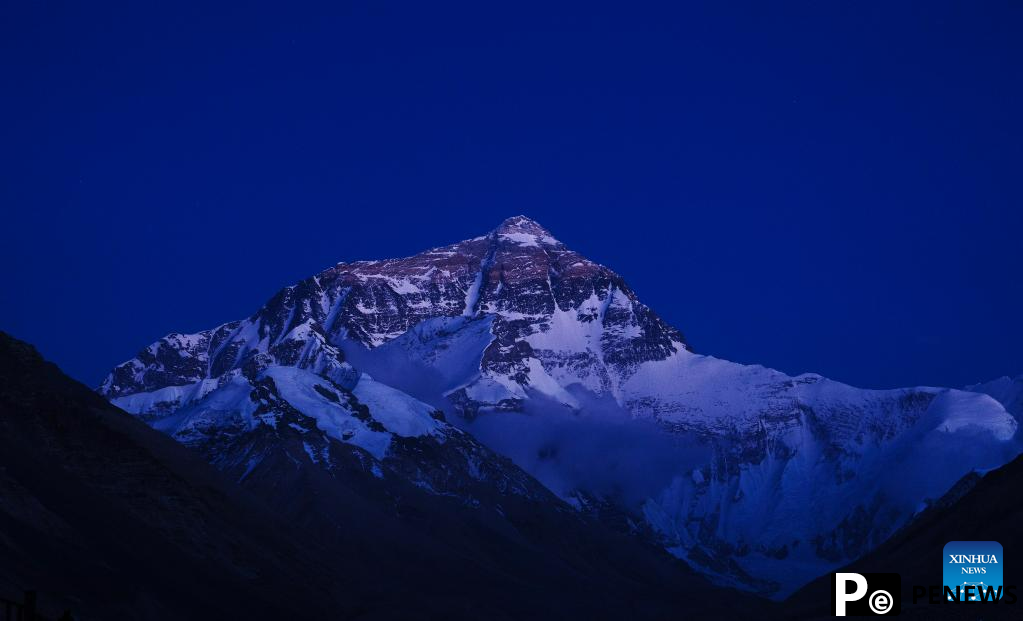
point(298, 388)
point(795, 492)
point(565, 333)
point(186, 342)
point(492, 389)
point(402, 286)
point(543, 383)
point(226, 408)
point(320, 357)
point(203, 406)
point(1008, 391)
point(757, 458)
point(957, 411)
point(522, 239)
point(335, 309)
point(791, 495)
point(472, 295)
point(253, 462)
point(399, 413)
point(310, 452)
point(165, 399)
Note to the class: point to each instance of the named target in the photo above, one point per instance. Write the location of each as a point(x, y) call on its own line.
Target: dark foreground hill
point(113, 520)
point(978, 509)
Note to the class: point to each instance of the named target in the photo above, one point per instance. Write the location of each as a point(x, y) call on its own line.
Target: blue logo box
point(976, 564)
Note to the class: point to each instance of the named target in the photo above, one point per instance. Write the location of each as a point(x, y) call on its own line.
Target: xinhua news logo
point(857, 595)
point(972, 571)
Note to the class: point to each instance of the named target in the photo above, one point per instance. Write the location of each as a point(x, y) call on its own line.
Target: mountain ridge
point(514, 323)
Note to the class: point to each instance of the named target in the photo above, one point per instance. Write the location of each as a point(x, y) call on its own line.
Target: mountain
point(110, 519)
point(433, 368)
point(1006, 390)
point(990, 509)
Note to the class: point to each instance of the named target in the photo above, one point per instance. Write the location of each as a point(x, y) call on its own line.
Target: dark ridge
point(112, 520)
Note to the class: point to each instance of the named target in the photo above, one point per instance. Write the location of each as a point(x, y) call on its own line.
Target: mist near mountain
point(597, 446)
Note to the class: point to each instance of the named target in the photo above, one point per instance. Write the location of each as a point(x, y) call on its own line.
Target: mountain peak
point(525, 231)
point(520, 222)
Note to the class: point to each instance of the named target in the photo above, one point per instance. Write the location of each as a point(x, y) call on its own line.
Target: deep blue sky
point(820, 186)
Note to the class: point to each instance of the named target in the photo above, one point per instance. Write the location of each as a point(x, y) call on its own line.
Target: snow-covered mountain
point(1006, 390)
point(514, 342)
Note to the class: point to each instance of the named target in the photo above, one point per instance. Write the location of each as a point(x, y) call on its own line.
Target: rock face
point(759, 479)
point(518, 278)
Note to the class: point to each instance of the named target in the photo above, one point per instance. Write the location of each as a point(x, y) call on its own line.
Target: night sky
point(820, 186)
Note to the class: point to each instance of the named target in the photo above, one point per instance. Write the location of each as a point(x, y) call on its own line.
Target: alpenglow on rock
point(526, 284)
point(758, 479)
